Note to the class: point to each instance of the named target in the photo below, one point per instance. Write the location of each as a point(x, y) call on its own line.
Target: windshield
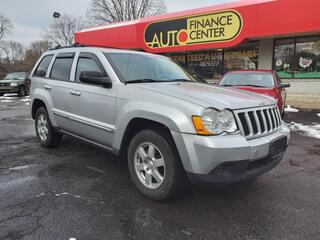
point(254, 79)
point(136, 67)
point(16, 76)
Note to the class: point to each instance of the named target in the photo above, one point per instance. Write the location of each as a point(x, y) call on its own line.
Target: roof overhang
point(220, 26)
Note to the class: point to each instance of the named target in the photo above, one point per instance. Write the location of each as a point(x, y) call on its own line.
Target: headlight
point(13, 84)
point(213, 122)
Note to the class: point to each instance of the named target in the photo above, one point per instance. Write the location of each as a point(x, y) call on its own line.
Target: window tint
point(61, 68)
point(87, 64)
point(42, 68)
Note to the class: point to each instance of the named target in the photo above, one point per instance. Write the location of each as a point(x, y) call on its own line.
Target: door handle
point(47, 87)
point(75, 93)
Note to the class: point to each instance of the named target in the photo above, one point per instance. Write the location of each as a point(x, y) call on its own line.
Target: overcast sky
point(31, 17)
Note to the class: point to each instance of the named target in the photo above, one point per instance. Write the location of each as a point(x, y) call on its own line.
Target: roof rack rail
point(71, 46)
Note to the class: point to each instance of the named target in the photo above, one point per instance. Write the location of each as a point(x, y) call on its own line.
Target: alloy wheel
point(42, 127)
point(149, 165)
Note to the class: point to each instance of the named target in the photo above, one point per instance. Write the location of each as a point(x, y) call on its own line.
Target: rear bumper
point(229, 158)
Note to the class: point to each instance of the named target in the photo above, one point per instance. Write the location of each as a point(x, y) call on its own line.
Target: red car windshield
point(251, 79)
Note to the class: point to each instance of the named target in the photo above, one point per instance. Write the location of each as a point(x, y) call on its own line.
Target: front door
point(92, 107)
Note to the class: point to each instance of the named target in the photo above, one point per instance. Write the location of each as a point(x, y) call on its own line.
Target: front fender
point(172, 118)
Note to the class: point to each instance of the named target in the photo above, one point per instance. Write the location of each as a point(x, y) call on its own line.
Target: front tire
point(154, 165)
point(46, 134)
point(21, 91)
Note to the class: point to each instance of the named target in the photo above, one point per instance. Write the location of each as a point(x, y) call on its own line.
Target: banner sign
point(197, 29)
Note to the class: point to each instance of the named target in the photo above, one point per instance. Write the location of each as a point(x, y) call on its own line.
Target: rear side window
point(61, 68)
point(43, 66)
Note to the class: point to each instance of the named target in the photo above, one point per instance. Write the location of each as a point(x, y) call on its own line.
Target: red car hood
point(271, 92)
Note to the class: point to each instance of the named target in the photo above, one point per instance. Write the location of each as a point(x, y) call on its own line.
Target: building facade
point(283, 35)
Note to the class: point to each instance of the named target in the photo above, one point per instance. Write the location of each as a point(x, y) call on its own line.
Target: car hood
point(265, 91)
point(208, 95)
point(10, 81)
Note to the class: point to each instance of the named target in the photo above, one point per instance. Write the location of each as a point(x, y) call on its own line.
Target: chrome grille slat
point(279, 117)
point(273, 119)
point(276, 116)
point(269, 119)
point(264, 121)
point(249, 123)
point(258, 122)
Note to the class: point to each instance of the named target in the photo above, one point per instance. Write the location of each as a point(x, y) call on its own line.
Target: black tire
point(53, 138)
point(174, 179)
point(21, 91)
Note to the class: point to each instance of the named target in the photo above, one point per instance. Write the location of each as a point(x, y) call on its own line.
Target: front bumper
point(228, 158)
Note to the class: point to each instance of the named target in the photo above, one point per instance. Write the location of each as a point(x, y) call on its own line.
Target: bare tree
point(61, 30)
point(39, 47)
point(12, 51)
point(34, 52)
point(5, 26)
point(110, 11)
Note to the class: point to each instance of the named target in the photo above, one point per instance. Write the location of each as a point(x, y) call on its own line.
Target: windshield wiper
point(144, 80)
point(178, 80)
point(248, 85)
point(251, 85)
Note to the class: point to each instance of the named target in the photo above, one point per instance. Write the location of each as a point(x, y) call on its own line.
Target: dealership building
point(283, 35)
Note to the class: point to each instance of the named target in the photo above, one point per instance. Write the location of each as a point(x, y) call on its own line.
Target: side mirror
point(284, 85)
point(97, 78)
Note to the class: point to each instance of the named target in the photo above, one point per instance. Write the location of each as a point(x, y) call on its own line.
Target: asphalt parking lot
point(79, 191)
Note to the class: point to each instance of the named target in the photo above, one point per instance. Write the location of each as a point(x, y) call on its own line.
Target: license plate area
point(278, 147)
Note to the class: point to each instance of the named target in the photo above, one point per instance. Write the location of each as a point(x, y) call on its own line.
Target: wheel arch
point(138, 124)
point(36, 104)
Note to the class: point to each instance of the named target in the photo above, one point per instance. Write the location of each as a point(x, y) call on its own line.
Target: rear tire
point(46, 134)
point(154, 165)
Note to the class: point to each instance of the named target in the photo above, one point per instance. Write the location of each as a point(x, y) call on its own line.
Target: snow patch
point(290, 109)
point(61, 194)
point(40, 195)
point(318, 114)
point(308, 130)
point(6, 101)
point(21, 167)
point(25, 100)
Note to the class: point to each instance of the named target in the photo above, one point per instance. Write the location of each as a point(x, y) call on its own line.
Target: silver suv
point(151, 111)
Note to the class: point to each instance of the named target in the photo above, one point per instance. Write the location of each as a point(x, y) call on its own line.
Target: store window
point(179, 58)
point(284, 58)
point(241, 59)
point(205, 64)
point(297, 57)
point(307, 58)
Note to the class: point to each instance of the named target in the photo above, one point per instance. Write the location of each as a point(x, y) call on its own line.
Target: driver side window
point(88, 64)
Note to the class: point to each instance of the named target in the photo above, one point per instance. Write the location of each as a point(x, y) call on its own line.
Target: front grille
point(258, 122)
point(4, 84)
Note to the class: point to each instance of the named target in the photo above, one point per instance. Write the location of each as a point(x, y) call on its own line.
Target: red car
point(266, 82)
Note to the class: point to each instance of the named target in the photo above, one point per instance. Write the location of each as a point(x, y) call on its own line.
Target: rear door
point(59, 87)
point(92, 107)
